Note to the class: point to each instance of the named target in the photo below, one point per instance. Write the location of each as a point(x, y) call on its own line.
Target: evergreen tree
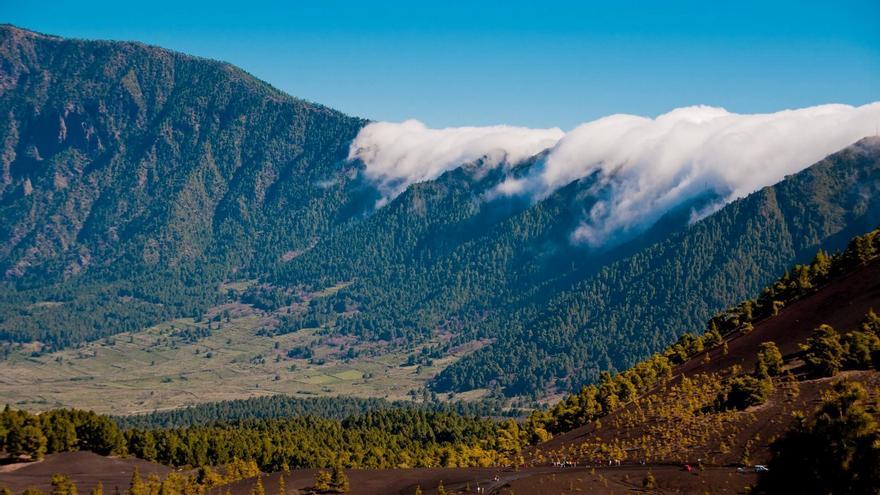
point(823, 353)
point(258, 488)
point(871, 323)
point(136, 485)
point(98, 489)
point(322, 480)
point(339, 480)
point(769, 360)
point(26, 439)
point(860, 349)
point(61, 485)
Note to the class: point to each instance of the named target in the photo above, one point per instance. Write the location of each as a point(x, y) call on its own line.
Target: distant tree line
point(283, 406)
point(376, 439)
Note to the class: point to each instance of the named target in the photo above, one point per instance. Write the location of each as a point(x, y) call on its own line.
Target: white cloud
point(645, 166)
point(399, 154)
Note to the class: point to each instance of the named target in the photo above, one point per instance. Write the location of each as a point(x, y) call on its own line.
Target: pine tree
point(322, 480)
point(258, 488)
point(61, 485)
point(823, 352)
point(871, 323)
point(339, 480)
point(649, 481)
point(770, 360)
point(98, 489)
point(136, 486)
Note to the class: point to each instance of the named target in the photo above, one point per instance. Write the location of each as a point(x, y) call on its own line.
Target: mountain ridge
point(136, 183)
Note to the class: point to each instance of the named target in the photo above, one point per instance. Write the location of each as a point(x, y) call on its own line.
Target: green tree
point(258, 488)
point(649, 481)
point(61, 485)
point(441, 490)
point(747, 391)
point(860, 349)
point(871, 323)
point(322, 480)
point(142, 444)
point(26, 439)
point(137, 486)
point(60, 432)
point(823, 353)
point(769, 360)
point(98, 489)
point(339, 480)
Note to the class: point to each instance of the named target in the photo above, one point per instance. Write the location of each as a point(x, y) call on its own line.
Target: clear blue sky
point(540, 63)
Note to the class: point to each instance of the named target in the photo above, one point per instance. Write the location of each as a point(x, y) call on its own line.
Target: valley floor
point(184, 362)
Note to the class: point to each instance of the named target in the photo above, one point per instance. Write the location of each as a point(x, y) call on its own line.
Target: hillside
point(134, 180)
point(633, 432)
point(172, 224)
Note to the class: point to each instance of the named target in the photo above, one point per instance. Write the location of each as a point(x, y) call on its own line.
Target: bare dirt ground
point(84, 468)
point(534, 480)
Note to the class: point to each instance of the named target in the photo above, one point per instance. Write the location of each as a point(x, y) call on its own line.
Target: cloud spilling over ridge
point(645, 166)
point(649, 166)
point(399, 154)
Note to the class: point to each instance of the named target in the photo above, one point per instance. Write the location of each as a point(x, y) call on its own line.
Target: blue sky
point(537, 64)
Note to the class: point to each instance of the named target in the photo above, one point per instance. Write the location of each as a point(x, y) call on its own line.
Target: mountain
point(135, 179)
point(635, 305)
point(179, 200)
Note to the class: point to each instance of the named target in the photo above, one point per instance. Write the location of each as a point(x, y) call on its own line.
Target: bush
point(823, 353)
point(747, 391)
point(769, 360)
point(860, 347)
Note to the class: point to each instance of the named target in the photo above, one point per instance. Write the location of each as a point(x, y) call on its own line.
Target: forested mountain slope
point(140, 185)
point(136, 179)
point(634, 306)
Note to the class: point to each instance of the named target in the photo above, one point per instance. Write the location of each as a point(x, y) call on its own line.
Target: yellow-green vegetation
point(183, 361)
point(824, 353)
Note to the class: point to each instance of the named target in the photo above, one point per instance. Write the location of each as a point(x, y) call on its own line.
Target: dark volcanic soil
point(536, 480)
point(84, 468)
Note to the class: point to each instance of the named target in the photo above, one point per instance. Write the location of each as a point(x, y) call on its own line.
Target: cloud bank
point(646, 166)
point(399, 154)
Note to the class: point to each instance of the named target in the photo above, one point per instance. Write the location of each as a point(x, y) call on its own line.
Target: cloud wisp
point(645, 166)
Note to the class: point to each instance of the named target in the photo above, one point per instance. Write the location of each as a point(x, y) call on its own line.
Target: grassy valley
point(183, 362)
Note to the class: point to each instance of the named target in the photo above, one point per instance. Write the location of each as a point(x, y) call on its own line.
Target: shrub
point(747, 391)
point(823, 353)
point(769, 360)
